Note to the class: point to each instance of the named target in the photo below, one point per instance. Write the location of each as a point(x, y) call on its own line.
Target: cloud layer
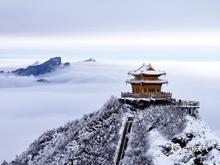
point(28, 109)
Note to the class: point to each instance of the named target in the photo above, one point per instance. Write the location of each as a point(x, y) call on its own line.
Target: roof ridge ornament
point(150, 67)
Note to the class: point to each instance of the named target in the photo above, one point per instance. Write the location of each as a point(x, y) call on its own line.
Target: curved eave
point(147, 82)
point(147, 74)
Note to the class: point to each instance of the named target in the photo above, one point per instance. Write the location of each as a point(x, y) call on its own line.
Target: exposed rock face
point(47, 67)
point(95, 139)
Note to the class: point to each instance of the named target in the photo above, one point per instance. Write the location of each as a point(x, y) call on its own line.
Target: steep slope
point(92, 139)
point(97, 137)
point(165, 135)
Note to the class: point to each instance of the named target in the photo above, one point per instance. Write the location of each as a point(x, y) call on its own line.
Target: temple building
point(147, 82)
point(147, 90)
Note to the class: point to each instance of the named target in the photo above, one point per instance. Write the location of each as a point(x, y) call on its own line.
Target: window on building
point(151, 90)
point(137, 90)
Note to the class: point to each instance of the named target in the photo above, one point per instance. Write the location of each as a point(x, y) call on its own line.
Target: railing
point(135, 95)
point(181, 103)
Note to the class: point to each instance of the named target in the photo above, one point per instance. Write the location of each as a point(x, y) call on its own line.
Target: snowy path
point(125, 139)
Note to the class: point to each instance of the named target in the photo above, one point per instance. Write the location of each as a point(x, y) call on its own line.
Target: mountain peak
point(46, 67)
point(98, 137)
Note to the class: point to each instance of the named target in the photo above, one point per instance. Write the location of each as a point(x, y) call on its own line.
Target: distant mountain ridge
point(95, 139)
point(89, 60)
point(40, 69)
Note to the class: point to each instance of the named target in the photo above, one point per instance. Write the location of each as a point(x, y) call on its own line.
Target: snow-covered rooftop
point(146, 70)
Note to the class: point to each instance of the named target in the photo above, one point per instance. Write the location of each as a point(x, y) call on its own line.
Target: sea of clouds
point(29, 108)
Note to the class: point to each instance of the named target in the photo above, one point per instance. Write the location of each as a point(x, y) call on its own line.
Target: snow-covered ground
point(29, 108)
point(203, 139)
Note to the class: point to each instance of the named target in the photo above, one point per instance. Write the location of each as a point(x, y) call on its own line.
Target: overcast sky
point(73, 16)
point(140, 24)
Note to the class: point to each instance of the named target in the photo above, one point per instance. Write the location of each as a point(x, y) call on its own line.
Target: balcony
point(163, 95)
